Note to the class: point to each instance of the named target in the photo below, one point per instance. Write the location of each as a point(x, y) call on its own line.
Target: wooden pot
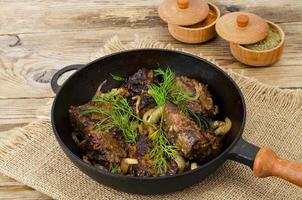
point(259, 58)
point(194, 35)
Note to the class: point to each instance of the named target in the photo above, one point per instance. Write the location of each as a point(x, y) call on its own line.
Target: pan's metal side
point(244, 153)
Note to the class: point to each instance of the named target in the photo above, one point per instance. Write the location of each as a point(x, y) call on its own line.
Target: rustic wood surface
point(39, 37)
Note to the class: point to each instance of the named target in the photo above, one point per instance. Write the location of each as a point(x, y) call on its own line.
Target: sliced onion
point(100, 87)
point(193, 165)
point(222, 128)
point(130, 161)
point(125, 162)
point(198, 90)
point(147, 114)
point(86, 160)
point(156, 115)
point(138, 101)
point(74, 136)
point(181, 163)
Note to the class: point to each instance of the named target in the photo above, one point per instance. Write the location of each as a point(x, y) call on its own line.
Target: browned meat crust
point(105, 148)
point(139, 81)
point(204, 103)
point(172, 167)
point(137, 86)
point(182, 131)
point(84, 123)
point(145, 165)
point(100, 147)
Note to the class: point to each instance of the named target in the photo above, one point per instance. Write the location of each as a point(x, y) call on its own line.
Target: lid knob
point(242, 20)
point(183, 4)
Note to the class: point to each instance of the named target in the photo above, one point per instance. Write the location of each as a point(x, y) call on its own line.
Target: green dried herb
point(271, 41)
point(117, 78)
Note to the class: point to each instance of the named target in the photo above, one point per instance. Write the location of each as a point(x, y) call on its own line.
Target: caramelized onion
point(100, 87)
point(181, 163)
point(126, 162)
point(222, 128)
point(138, 101)
point(193, 165)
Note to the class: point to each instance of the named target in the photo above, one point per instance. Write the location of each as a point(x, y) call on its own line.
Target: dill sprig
point(118, 114)
point(200, 120)
point(160, 92)
point(168, 89)
point(161, 150)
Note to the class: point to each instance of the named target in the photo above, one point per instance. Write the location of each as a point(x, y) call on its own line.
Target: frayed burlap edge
point(17, 137)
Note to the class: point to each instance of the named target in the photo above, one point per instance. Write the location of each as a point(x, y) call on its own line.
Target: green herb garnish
point(167, 90)
point(115, 170)
point(117, 78)
point(118, 114)
point(162, 149)
point(160, 92)
point(200, 120)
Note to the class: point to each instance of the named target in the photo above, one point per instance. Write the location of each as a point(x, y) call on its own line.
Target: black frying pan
point(82, 85)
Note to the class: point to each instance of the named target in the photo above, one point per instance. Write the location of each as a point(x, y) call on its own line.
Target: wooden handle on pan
point(267, 163)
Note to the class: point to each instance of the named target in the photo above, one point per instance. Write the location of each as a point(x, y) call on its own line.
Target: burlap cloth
point(32, 156)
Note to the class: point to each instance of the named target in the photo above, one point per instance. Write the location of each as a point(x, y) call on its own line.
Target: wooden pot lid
point(242, 28)
point(183, 12)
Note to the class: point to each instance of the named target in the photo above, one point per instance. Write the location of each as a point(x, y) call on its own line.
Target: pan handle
point(244, 153)
point(264, 162)
point(54, 80)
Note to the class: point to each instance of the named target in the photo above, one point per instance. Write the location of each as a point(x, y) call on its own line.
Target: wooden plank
point(25, 108)
point(6, 181)
point(9, 124)
point(12, 189)
point(17, 113)
point(46, 16)
point(27, 68)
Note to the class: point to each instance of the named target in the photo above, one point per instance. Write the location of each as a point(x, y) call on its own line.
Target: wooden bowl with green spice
point(253, 40)
point(263, 53)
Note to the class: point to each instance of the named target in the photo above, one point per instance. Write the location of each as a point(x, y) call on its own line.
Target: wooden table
point(39, 37)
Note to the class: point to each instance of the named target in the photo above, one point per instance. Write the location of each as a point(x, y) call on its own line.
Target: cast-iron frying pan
point(82, 85)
